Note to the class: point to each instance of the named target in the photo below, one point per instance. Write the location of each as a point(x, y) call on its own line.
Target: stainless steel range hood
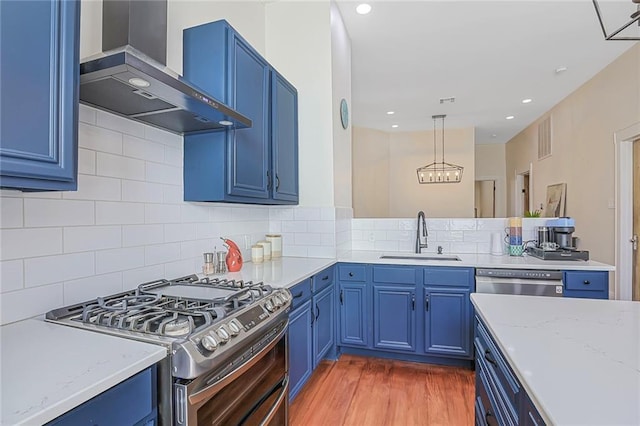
point(131, 79)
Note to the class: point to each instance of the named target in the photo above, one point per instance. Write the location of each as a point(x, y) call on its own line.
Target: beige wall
point(490, 161)
point(395, 157)
point(370, 173)
point(341, 89)
point(583, 125)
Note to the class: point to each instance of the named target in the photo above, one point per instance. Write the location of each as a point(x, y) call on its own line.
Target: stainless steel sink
point(440, 257)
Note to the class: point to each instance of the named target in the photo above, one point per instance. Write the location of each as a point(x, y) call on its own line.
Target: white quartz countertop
point(48, 369)
point(578, 359)
point(474, 261)
point(281, 272)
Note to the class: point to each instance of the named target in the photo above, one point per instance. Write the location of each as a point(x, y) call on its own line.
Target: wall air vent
point(449, 100)
point(544, 138)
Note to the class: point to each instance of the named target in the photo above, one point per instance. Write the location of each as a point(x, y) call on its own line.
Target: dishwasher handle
point(497, 280)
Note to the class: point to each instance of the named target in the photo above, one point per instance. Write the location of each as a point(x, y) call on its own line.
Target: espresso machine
point(555, 241)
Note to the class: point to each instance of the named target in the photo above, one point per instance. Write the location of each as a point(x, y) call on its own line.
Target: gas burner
point(128, 302)
point(178, 326)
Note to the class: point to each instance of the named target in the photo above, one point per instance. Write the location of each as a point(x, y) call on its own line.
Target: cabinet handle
point(341, 292)
point(297, 295)
point(586, 282)
point(277, 182)
point(488, 416)
point(268, 181)
point(317, 311)
point(490, 359)
point(413, 302)
point(326, 277)
point(351, 274)
point(426, 303)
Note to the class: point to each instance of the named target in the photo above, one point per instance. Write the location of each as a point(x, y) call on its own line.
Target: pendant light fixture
point(626, 28)
point(441, 172)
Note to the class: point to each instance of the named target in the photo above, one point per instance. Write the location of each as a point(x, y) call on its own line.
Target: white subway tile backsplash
point(194, 213)
point(52, 269)
point(386, 225)
point(99, 139)
point(436, 225)
point(114, 213)
point(294, 226)
point(463, 224)
point(162, 173)
point(328, 240)
point(146, 192)
point(329, 213)
point(27, 303)
point(11, 275)
point(491, 224)
point(181, 268)
point(477, 236)
point(120, 124)
point(275, 226)
point(134, 277)
point(96, 188)
point(207, 230)
point(295, 251)
point(40, 213)
point(321, 226)
point(321, 251)
point(180, 232)
point(161, 253)
point(87, 115)
point(172, 194)
point(11, 212)
point(449, 236)
point(86, 161)
point(308, 239)
point(161, 213)
point(307, 213)
point(362, 245)
point(119, 259)
point(162, 136)
point(87, 238)
point(140, 235)
point(464, 247)
point(23, 243)
point(85, 289)
point(281, 213)
point(385, 245)
point(143, 149)
point(173, 156)
point(118, 166)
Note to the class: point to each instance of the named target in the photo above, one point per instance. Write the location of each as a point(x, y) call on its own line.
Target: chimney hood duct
point(130, 77)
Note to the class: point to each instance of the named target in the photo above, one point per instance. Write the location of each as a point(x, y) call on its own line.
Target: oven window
point(252, 392)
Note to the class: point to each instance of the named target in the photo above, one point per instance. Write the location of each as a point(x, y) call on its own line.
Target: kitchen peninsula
point(577, 360)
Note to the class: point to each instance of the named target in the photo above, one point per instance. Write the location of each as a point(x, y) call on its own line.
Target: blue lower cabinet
point(354, 315)
point(447, 322)
point(323, 311)
point(132, 402)
point(300, 347)
point(586, 284)
point(394, 313)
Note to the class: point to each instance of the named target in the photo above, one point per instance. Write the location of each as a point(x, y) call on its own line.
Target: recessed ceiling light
point(225, 123)
point(494, 135)
point(560, 70)
point(390, 112)
point(526, 101)
point(394, 125)
point(363, 8)
point(139, 82)
point(510, 117)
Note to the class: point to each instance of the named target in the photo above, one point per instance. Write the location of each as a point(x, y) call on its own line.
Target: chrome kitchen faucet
point(425, 233)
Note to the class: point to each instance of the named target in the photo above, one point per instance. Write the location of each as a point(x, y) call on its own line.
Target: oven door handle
point(272, 413)
point(215, 387)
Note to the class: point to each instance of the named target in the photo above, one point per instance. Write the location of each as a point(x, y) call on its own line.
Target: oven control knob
point(278, 300)
point(286, 296)
point(209, 343)
point(223, 334)
point(269, 305)
point(234, 327)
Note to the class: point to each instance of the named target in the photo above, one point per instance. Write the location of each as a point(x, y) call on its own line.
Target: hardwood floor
point(371, 391)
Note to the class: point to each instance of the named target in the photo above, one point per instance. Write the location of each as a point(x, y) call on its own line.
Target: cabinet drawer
point(394, 275)
point(323, 279)
point(586, 281)
point(300, 293)
point(498, 371)
point(352, 273)
point(452, 277)
point(487, 412)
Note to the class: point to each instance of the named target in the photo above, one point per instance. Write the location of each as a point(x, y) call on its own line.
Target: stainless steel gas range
point(227, 341)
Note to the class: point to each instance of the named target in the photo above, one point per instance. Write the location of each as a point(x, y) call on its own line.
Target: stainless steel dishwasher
point(519, 281)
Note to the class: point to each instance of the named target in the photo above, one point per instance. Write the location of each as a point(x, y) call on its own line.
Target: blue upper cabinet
point(258, 165)
point(39, 71)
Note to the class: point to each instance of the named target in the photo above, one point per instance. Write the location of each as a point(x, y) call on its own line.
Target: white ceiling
point(488, 54)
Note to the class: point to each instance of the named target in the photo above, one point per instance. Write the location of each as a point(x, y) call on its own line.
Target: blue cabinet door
point(284, 139)
point(300, 348)
point(394, 313)
point(354, 314)
point(324, 323)
point(248, 172)
point(586, 284)
point(39, 69)
point(447, 322)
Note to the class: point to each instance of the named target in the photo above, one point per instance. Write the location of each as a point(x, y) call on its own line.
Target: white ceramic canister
point(266, 247)
point(276, 244)
point(257, 254)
